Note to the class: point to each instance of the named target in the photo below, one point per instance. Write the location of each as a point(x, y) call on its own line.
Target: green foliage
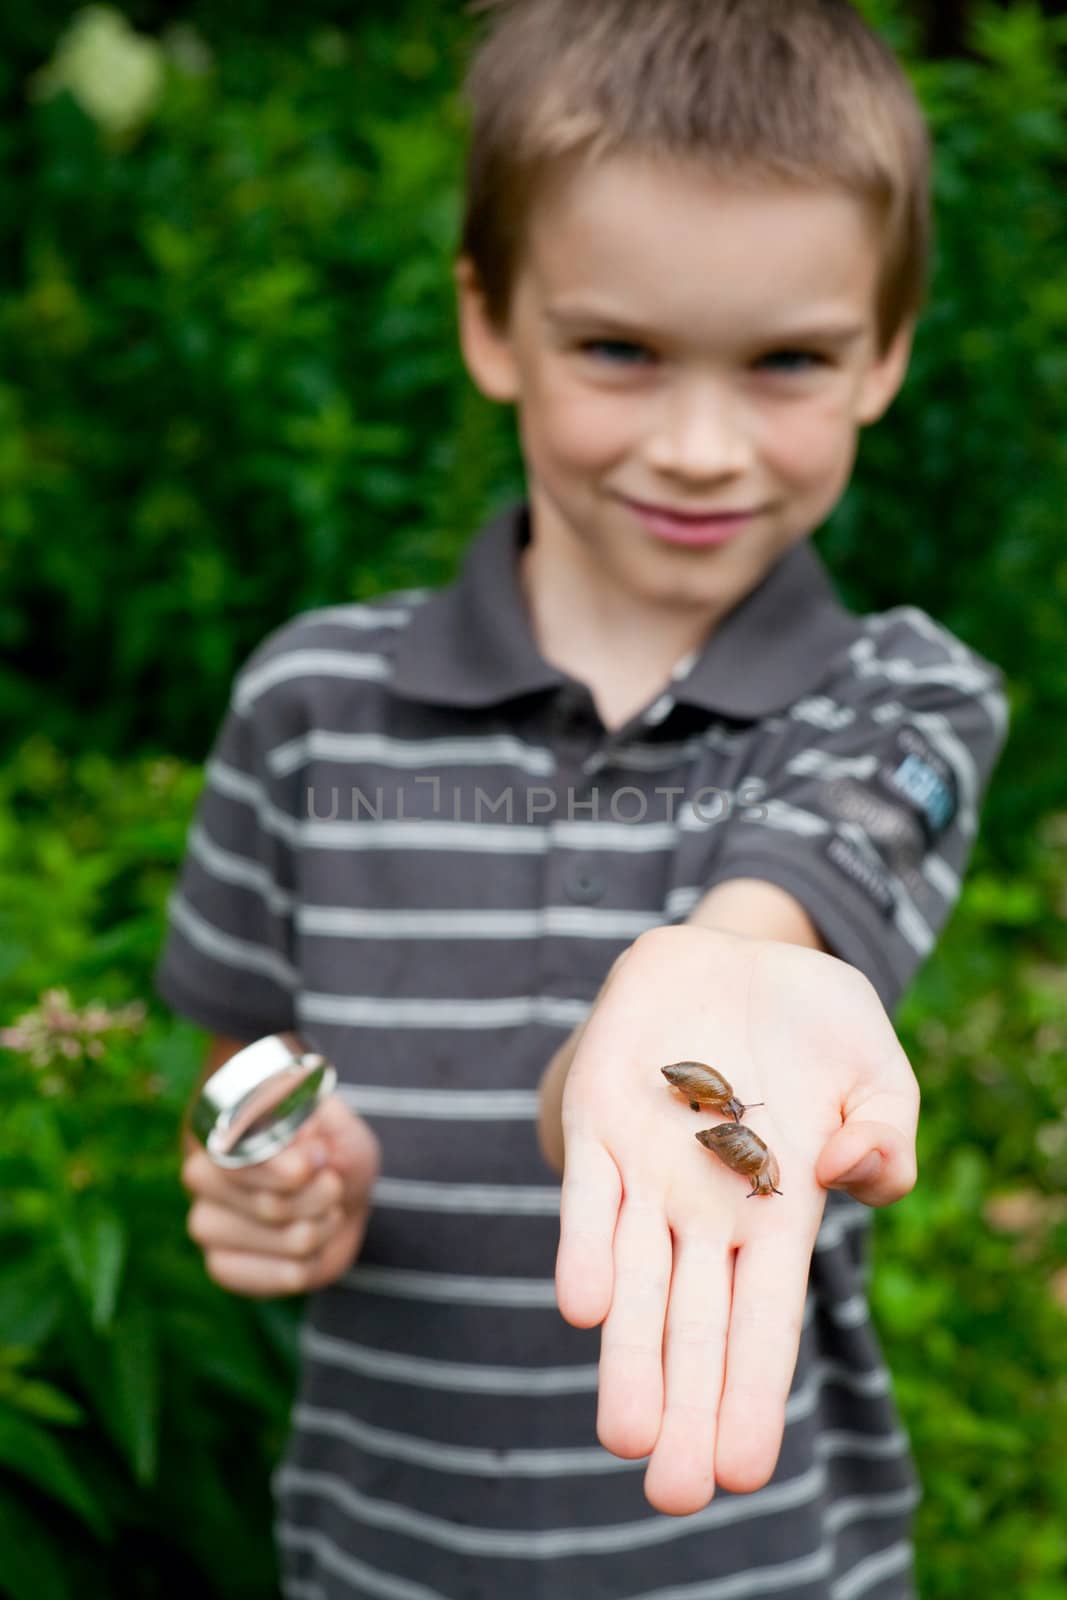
point(969, 1288)
point(957, 502)
point(140, 1405)
point(259, 404)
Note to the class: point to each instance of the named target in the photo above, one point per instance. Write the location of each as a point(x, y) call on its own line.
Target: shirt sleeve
point(866, 798)
point(228, 961)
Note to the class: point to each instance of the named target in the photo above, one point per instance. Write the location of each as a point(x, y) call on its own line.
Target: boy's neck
point(622, 650)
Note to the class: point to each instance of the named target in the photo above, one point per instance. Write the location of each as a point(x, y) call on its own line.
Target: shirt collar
point(471, 642)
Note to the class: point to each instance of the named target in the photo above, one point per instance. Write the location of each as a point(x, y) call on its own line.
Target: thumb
point(872, 1161)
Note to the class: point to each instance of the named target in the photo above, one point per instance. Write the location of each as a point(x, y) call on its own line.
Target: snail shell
point(703, 1086)
point(744, 1151)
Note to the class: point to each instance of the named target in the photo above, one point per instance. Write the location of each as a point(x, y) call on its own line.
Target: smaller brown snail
point(744, 1151)
point(703, 1086)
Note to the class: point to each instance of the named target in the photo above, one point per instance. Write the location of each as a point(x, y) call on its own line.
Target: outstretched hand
point(699, 1287)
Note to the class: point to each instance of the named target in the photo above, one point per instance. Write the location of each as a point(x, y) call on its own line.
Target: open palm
point(701, 1288)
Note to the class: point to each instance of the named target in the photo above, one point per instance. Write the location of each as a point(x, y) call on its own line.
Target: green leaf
point(136, 1389)
point(35, 1397)
point(31, 1302)
point(229, 1368)
point(94, 1246)
point(30, 1452)
point(38, 1127)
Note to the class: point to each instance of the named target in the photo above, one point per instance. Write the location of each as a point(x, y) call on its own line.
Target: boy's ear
point(883, 378)
point(486, 352)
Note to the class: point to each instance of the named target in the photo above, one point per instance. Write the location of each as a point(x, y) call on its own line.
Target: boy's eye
point(598, 346)
point(804, 356)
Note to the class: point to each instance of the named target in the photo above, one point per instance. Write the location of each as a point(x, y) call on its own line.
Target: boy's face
point(656, 353)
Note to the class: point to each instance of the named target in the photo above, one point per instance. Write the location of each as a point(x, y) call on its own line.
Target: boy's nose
point(700, 434)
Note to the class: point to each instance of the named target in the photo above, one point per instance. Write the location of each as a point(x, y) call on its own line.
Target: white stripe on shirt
point(572, 1460)
point(546, 1544)
point(254, 682)
point(465, 1378)
point(241, 954)
point(578, 922)
point(322, 744)
point(386, 1011)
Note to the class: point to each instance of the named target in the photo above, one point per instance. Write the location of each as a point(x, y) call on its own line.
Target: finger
point(260, 1277)
point(286, 1172)
point(264, 1277)
point(205, 1181)
point(276, 1208)
point(763, 1339)
point(630, 1405)
point(588, 1212)
point(681, 1474)
point(872, 1161)
point(215, 1227)
point(353, 1147)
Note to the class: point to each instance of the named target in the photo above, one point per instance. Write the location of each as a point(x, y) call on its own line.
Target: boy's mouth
point(688, 516)
point(689, 527)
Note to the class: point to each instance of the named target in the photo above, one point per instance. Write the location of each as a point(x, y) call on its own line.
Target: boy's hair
point(782, 90)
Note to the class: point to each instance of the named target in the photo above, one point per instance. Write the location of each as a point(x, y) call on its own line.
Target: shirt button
point(583, 885)
point(574, 714)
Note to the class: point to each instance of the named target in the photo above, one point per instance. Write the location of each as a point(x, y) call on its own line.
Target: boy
point(634, 789)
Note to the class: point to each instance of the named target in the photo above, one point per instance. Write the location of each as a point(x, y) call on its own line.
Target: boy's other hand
point(700, 1289)
point(290, 1224)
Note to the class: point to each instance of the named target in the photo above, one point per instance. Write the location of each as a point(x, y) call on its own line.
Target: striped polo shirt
point(418, 846)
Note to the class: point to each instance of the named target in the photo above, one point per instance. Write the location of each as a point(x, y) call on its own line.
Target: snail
point(744, 1151)
point(702, 1085)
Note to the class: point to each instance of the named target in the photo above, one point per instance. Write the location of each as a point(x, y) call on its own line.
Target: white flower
point(115, 74)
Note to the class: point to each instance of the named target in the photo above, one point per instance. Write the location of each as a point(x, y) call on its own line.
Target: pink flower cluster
point(54, 1031)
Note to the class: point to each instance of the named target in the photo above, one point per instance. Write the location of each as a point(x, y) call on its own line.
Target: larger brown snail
point(744, 1151)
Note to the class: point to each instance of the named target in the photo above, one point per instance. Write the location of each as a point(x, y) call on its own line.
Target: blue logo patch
point(917, 774)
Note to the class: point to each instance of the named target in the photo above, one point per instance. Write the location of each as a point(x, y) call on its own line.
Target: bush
point(258, 405)
point(140, 1404)
point(969, 1289)
point(957, 505)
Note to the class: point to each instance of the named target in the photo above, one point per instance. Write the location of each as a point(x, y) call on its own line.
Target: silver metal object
point(254, 1105)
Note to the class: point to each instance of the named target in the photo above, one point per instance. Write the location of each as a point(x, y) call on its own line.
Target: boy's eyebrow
point(564, 316)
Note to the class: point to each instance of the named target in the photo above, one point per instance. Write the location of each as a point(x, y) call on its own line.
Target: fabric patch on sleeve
point(893, 828)
point(916, 773)
point(869, 879)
